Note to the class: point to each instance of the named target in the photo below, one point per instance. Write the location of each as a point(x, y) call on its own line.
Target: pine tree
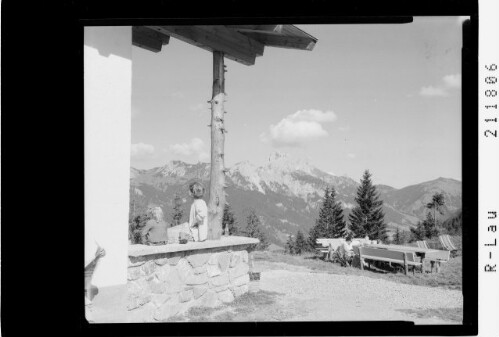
point(339, 226)
point(430, 227)
point(396, 237)
point(178, 211)
point(137, 216)
point(418, 233)
point(400, 237)
point(330, 223)
point(436, 204)
point(300, 243)
point(253, 230)
point(290, 245)
point(367, 218)
point(404, 237)
point(229, 222)
point(319, 230)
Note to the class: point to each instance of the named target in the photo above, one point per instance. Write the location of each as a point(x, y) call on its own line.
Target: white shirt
point(345, 247)
point(199, 213)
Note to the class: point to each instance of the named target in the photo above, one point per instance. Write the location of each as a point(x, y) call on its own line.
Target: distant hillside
point(454, 224)
point(287, 193)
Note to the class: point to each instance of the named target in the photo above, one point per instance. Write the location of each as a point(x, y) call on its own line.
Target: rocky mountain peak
point(282, 163)
point(276, 155)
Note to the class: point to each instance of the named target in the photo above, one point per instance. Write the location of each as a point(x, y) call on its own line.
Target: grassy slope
point(449, 277)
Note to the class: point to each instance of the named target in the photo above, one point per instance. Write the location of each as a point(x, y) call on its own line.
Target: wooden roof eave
point(235, 46)
point(241, 43)
point(148, 39)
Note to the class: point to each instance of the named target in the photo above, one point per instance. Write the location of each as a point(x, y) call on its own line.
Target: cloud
point(195, 147)
point(351, 155)
point(298, 128)
point(344, 128)
point(452, 81)
point(141, 150)
point(449, 83)
point(432, 91)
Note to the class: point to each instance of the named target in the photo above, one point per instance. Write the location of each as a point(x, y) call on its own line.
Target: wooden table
point(421, 252)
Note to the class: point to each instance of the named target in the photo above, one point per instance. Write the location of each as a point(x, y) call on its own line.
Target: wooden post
point(216, 202)
point(406, 267)
point(361, 259)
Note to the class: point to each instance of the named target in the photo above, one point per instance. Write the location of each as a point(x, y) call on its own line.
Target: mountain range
point(286, 193)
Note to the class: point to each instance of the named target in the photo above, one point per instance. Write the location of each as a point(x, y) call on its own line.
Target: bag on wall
point(184, 237)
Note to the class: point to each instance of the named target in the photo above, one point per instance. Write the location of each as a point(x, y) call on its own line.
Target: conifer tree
point(300, 243)
point(229, 222)
point(400, 237)
point(137, 215)
point(430, 227)
point(290, 245)
point(436, 204)
point(396, 237)
point(367, 218)
point(253, 230)
point(339, 226)
point(330, 223)
point(320, 228)
point(418, 233)
point(178, 211)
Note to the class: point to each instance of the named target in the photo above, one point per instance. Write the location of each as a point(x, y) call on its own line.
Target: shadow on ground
point(247, 307)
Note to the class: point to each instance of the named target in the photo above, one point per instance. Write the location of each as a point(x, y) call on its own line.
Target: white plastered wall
point(108, 84)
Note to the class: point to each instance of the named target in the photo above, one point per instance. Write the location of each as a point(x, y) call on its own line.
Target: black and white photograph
point(274, 172)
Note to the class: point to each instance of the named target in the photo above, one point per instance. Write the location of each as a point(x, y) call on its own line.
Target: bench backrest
point(410, 257)
point(446, 242)
point(422, 244)
point(335, 243)
point(362, 241)
point(442, 255)
point(382, 253)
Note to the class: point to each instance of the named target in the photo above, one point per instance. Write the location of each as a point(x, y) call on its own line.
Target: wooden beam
point(272, 40)
point(149, 39)
point(264, 29)
point(234, 45)
point(216, 202)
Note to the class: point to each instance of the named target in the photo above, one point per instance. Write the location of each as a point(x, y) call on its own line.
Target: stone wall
point(162, 285)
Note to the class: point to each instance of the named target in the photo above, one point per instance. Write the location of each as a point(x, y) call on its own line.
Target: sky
point(381, 97)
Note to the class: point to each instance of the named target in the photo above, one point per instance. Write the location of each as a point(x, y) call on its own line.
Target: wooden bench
point(328, 245)
point(404, 258)
point(325, 246)
point(447, 244)
point(437, 256)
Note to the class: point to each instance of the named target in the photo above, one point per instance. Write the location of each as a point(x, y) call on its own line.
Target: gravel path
point(309, 295)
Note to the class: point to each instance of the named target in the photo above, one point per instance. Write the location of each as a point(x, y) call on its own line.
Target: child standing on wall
point(198, 218)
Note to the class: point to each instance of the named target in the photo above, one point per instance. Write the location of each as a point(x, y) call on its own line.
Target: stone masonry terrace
point(167, 280)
